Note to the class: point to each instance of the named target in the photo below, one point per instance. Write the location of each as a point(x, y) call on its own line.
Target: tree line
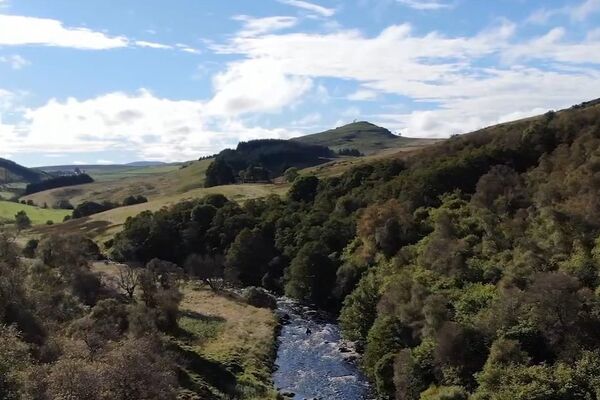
point(262, 160)
point(57, 182)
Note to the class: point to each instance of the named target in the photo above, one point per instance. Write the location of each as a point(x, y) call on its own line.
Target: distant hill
point(363, 136)
point(145, 163)
point(11, 172)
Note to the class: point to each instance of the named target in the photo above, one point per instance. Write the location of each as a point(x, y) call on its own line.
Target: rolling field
point(37, 215)
point(174, 185)
point(152, 182)
point(103, 225)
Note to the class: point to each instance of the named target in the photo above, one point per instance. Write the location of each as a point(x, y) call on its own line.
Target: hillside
point(469, 269)
point(117, 182)
point(363, 136)
point(11, 172)
point(38, 215)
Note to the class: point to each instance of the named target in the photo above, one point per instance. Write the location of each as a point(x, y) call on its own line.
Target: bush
point(131, 200)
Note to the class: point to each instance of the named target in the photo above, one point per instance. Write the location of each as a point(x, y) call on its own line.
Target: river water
point(311, 365)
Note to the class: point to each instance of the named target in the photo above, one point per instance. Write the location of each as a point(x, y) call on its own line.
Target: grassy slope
point(239, 337)
point(224, 345)
point(152, 182)
point(364, 136)
point(103, 225)
point(37, 215)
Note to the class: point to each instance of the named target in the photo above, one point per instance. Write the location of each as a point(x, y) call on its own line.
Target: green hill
point(363, 136)
point(11, 172)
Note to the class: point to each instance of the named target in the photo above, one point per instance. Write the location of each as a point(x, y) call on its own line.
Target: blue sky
point(101, 81)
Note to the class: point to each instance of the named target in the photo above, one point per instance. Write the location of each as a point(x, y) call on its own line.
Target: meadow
point(37, 215)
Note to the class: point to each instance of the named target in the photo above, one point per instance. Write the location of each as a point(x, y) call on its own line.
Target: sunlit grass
point(37, 215)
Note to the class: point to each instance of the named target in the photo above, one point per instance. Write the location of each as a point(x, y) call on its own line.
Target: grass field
point(341, 165)
point(225, 346)
point(103, 225)
point(106, 175)
point(37, 215)
point(229, 332)
point(152, 182)
point(5, 195)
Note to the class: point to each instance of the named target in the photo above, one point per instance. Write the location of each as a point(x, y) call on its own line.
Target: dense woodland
point(57, 182)
point(13, 172)
point(262, 160)
point(470, 270)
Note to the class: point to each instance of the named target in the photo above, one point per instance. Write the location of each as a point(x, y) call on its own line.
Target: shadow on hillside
point(195, 370)
point(83, 225)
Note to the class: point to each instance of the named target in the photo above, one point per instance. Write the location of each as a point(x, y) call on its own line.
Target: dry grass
point(339, 166)
point(154, 183)
point(244, 342)
point(104, 225)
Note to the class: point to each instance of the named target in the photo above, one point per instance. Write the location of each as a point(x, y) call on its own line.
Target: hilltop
point(363, 136)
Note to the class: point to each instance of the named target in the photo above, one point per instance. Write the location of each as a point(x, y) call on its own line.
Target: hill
point(114, 183)
point(103, 173)
point(145, 163)
point(11, 172)
point(262, 160)
point(363, 136)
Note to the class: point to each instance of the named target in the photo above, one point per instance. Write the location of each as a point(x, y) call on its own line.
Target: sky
point(107, 81)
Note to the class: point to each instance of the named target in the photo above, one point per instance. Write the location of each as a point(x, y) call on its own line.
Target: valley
point(419, 252)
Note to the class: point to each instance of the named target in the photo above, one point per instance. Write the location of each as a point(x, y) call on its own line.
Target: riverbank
point(235, 338)
point(225, 348)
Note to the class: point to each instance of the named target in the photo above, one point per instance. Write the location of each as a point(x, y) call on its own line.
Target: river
point(315, 365)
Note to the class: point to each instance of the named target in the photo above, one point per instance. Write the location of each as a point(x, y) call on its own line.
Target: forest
point(57, 182)
point(262, 160)
point(470, 270)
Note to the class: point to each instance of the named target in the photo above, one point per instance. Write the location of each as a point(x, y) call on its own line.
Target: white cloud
point(305, 5)
point(18, 30)
point(15, 61)
point(585, 9)
point(578, 12)
point(257, 26)
point(424, 4)
point(152, 45)
point(31, 31)
point(152, 127)
point(362, 95)
point(257, 86)
point(444, 72)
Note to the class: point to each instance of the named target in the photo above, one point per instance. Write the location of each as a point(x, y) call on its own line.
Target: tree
point(304, 189)
point(72, 379)
point(128, 279)
point(207, 268)
point(247, 258)
point(22, 221)
point(138, 369)
point(219, 173)
point(291, 174)
point(311, 274)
